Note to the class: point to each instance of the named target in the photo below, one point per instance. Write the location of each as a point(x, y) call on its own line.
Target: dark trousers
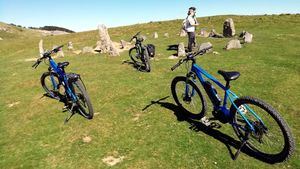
point(191, 36)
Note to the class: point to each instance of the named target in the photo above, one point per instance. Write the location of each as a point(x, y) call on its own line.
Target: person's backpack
point(184, 24)
point(151, 50)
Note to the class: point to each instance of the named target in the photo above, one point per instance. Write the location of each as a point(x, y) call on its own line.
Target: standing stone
point(246, 37)
point(233, 44)
point(182, 33)
point(155, 35)
point(228, 28)
point(181, 50)
point(166, 35)
point(1, 38)
point(205, 45)
point(41, 48)
point(123, 44)
point(70, 46)
point(105, 45)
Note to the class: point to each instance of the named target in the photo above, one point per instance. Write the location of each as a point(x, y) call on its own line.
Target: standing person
point(190, 24)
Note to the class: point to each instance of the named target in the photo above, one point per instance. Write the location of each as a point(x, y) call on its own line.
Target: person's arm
point(192, 21)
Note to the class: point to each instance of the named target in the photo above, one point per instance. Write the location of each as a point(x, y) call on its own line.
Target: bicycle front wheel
point(188, 97)
point(272, 139)
point(51, 84)
point(84, 105)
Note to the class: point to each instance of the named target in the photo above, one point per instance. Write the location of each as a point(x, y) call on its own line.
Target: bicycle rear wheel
point(272, 139)
point(84, 105)
point(146, 60)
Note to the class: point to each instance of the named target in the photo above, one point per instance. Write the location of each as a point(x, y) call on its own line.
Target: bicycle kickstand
point(236, 155)
point(72, 114)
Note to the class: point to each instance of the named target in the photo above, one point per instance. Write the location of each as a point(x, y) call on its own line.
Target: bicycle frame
point(63, 78)
point(229, 95)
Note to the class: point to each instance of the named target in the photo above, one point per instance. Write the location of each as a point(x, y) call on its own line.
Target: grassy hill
point(32, 133)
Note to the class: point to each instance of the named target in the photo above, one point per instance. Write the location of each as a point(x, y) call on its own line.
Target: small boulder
point(182, 33)
point(205, 45)
point(1, 38)
point(233, 44)
point(204, 33)
point(181, 50)
point(214, 34)
point(155, 35)
point(166, 35)
point(172, 57)
point(246, 37)
point(87, 49)
point(77, 52)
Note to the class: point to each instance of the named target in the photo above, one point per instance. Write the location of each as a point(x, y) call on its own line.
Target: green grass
point(32, 133)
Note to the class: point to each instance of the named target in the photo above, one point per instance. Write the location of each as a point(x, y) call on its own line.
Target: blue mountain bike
point(260, 127)
point(65, 87)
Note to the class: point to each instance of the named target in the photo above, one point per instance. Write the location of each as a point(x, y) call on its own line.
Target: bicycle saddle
point(63, 64)
point(228, 76)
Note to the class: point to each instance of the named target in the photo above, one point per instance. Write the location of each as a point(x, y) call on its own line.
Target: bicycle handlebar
point(190, 56)
point(45, 55)
point(135, 36)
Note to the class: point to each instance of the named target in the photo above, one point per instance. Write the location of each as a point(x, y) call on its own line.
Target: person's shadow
point(210, 130)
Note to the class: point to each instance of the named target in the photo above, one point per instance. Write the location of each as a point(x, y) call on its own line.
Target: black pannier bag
point(151, 50)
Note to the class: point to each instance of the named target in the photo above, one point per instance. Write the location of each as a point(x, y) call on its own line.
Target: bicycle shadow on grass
point(136, 65)
point(210, 130)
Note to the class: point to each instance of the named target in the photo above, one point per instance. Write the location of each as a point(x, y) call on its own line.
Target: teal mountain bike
point(260, 127)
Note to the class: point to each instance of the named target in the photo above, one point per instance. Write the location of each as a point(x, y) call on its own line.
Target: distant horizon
point(85, 16)
point(28, 27)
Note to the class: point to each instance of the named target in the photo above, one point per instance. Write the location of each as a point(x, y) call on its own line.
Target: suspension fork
point(193, 78)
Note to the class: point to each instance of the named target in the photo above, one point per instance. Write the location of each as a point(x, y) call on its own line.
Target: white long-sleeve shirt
point(190, 21)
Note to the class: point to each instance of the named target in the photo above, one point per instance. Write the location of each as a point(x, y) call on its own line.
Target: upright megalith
point(246, 37)
point(181, 50)
point(155, 35)
point(228, 28)
point(41, 48)
point(105, 45)
point(70, 46)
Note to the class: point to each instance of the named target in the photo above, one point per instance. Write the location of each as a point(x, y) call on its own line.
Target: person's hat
point(192, 8)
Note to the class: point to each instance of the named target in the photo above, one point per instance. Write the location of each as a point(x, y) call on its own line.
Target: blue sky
point(86, 15)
